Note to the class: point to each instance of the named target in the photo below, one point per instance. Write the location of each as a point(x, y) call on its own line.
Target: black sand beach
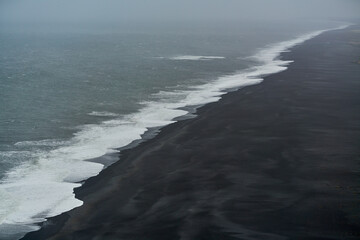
point(278, 160)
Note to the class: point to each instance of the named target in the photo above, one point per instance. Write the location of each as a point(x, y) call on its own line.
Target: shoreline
point(133, 170)
point(84, 155)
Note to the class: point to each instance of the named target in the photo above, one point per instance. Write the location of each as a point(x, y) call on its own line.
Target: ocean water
point(67, 97)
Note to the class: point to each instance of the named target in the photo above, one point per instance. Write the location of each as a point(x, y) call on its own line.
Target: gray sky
point(103, 11)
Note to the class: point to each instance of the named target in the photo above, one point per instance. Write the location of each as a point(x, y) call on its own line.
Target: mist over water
point(113, 12)
point(80, 79)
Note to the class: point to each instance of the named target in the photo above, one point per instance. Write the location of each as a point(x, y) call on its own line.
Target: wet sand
point(278, 160)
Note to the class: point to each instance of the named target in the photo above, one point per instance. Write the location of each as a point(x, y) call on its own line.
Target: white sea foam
point(103, 114)
point(195, 58)
point(34, 191)
point(46, 142)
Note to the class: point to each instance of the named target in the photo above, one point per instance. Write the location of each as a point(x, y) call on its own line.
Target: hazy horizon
point(95, 14)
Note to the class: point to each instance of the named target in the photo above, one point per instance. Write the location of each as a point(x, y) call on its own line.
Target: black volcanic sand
point(278, 160)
